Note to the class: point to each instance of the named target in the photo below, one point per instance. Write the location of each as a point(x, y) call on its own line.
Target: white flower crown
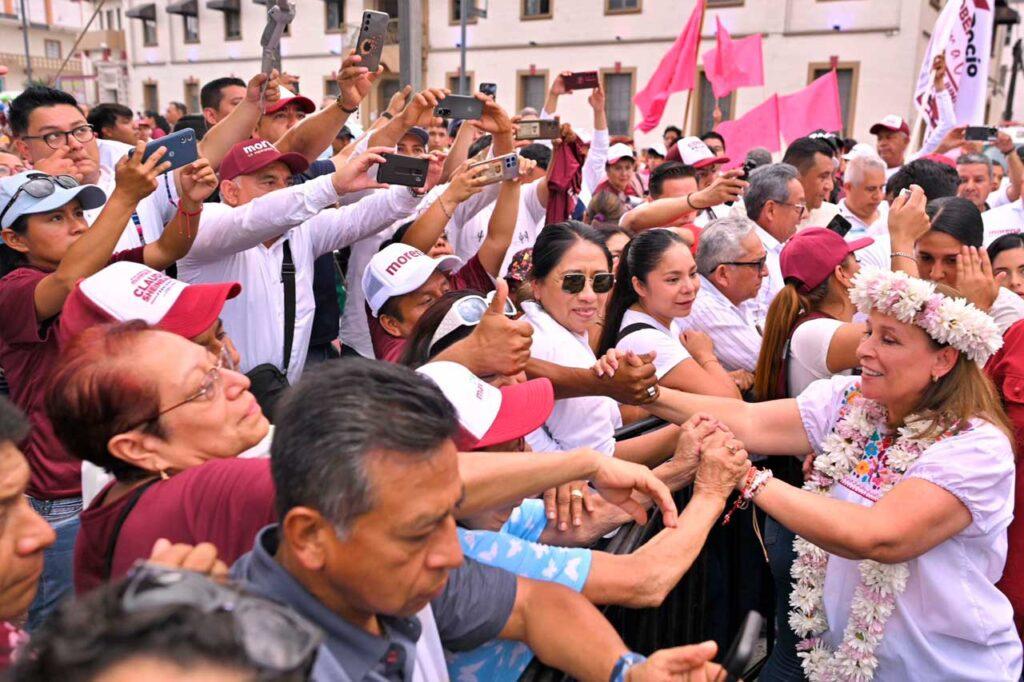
point(950, 321)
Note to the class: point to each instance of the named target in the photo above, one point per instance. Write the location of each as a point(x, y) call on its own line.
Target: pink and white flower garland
point(874, 598)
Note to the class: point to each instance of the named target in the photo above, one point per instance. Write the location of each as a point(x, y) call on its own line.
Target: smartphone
point(459, 106)
point(489, 89)
point(181, 148)
point(539, 129)
point(371, 38)
point(741, 651)
point(839, 225)
point(505, 167)
point(581, 80)
point(480, 147)
point(403, 170)
point(981, 133)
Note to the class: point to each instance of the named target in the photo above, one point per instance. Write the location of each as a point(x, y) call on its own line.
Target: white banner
point(963, 32)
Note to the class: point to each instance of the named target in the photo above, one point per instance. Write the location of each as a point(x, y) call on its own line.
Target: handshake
point(708, 454)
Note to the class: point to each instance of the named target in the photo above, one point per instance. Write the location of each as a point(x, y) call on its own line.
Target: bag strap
point(288, 279)
point(108, 565)
point(629, 329)
point(782, 385)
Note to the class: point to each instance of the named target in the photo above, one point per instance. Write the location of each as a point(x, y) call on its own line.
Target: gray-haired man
point(864, 204)
point(975, 171)
point(775, 201)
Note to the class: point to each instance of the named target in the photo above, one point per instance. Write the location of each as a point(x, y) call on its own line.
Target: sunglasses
point(601, 282)
point(466, 312)
point(275, 638)
point(40, 186)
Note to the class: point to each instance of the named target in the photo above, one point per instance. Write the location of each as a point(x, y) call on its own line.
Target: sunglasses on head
point(40, 186)
point(467, 312)
point(601, 282)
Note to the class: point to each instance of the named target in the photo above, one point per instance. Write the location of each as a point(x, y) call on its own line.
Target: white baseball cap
point(619, 151)
point(398, 269)
point(658, 148)
point(489, 415)
point(891, 122)
point(693, 152)
point(860, 149)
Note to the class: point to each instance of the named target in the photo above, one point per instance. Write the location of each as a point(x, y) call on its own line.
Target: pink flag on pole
point(732, 63)
point(759, 127)
point(676, 72)
point(816, 106)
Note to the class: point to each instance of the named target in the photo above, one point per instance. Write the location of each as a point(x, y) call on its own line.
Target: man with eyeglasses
point(775, 201)
point(732, 264)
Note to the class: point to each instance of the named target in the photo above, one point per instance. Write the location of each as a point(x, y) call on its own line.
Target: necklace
point(857, 436)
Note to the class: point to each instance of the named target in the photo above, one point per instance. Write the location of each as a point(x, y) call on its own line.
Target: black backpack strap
point(108, 565)
point(288, 280)
point(630, 328)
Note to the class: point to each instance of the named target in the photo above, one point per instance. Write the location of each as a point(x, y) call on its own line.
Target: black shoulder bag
point(268, 381)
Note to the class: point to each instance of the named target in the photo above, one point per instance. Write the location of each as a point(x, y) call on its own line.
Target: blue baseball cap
point(89, 196)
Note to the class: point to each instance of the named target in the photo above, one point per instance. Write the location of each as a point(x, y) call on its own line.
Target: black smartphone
point(181, 148)
point(459, 106)
point(981, 134)
point(370, 43)
point(403, 170)
point(489, 89)
point(480, 146)
point(580, 80)
point(839, 225)
point(741, 652)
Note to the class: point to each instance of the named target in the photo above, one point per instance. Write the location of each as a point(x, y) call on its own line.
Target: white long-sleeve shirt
point(594, 167)
point(230, 247)
point(947, 121)
point(731, 328)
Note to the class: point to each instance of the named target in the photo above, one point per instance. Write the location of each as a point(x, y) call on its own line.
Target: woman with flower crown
point(902, 524)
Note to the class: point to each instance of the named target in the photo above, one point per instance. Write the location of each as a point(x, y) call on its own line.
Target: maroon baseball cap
point(251, 155)
point(288, 97)
point(810, 256)
point(892, 122)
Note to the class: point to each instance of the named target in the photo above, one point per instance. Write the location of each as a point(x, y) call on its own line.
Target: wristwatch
point(622, 666)
point(341, 106)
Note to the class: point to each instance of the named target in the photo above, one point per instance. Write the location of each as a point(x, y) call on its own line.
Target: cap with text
point(131, 291)
point(398, 269)
point(488, 415)
point(693, 152)
point(251, 155)
point(891, 122)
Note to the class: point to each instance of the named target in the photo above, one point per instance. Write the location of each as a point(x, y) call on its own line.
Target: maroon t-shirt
point(28, 353)
point(224, 502)
point(389, 348)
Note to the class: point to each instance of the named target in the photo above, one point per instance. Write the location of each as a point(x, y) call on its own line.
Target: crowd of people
point(271, 418)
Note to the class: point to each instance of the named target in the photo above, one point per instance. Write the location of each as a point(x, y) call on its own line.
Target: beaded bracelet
point(751, 487)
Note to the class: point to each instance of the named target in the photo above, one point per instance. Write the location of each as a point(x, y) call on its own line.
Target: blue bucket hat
point(62, 191)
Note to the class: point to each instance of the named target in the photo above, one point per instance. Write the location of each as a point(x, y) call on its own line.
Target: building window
point(535, 9)
point(725, 3)
point(334, 15)
point(232, 24)
point(148, 33)
point(331, 88)
point(847, 76)
point(453, 83)
point(705, 120)
point(533, 88)
point(388, 85)
point(53, 50)
point(150, 97)
point(455, 7)
point(192, 95)
point(621, 6)
point(190, 26)
point(618, 88)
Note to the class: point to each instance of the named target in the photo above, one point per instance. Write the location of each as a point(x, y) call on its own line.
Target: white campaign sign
point(963, 32)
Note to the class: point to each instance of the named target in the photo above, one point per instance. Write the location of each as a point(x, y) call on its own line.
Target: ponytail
point(788, 306)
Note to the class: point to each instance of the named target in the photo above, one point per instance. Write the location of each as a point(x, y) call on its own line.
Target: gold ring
point(576, 492)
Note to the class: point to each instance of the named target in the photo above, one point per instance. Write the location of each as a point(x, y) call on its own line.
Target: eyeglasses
point(207, 389)
point(275, 638)
point(466, 312)
point(759, 264)
point(62, 138)
point(40, 186)
point(801, 208)
point(601, 282)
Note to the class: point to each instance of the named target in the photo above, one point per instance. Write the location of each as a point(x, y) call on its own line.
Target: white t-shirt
point(951, 622)
point(808, 354)
point(664, 340)
point(1007, 219)
point(466, 240)
point(589, 421)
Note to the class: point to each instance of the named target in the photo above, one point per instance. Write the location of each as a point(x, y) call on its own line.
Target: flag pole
point(696, 56)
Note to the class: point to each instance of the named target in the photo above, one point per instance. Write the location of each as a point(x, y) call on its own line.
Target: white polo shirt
point(1007, 219)
point(757, 307)
point(732, 328)
point(589, 421)
point(229, 247)
point(859, 227)
point(661, 339)
point(152, 213)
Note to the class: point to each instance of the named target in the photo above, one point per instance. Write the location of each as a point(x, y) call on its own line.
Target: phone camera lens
point(367, 45)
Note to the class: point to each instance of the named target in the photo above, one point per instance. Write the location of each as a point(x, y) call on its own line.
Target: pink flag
point(759, 127)
point(676, 72)
point(816, 106)
point(734, 63)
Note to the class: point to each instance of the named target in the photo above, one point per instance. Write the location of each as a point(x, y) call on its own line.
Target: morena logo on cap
point(257, 147)
point(395, 265)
